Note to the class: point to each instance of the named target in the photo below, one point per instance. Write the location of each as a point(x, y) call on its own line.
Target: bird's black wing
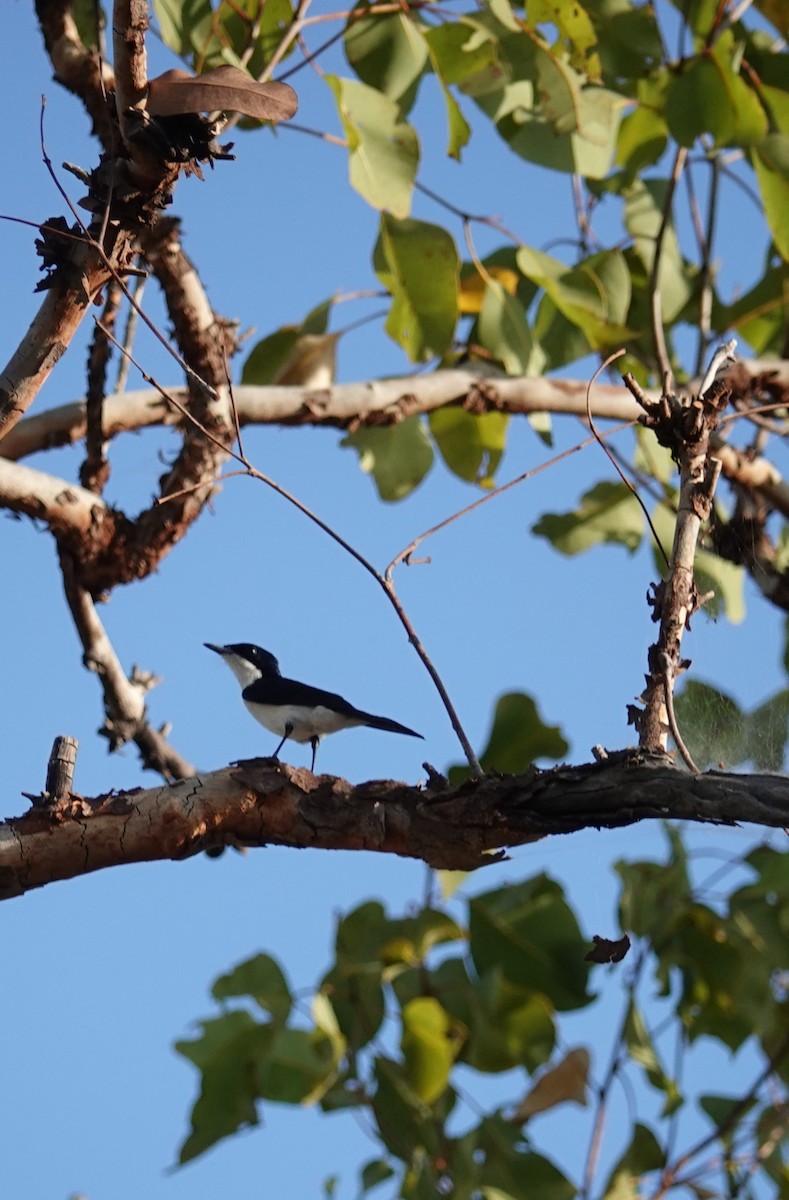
point(273, 689)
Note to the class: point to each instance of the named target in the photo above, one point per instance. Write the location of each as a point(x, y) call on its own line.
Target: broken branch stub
point(684, 425)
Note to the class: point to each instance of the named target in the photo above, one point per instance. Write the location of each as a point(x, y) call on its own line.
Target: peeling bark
point(262, 802)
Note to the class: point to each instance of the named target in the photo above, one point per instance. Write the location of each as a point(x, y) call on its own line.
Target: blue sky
point(104, 973)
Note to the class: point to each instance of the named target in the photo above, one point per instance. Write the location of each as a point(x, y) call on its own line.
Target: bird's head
point(247, 661)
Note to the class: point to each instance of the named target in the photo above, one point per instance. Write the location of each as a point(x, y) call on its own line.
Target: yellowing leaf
point(430, 1043)
point(472, 287)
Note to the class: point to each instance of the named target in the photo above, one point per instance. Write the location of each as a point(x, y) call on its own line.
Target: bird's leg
point(288, 732)
point(314, 743)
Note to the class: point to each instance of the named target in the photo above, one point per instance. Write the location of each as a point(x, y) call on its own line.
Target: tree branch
point(386, 401)
point(126, 717)
point(76, 67)
point(66, 508)
point(263, 802)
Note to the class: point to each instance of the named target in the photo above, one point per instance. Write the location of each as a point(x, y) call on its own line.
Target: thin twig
point(405, 555)
point(628, 484)
point(384, 583)
point(668, 691)
point(664, 363)
point(669, 1177)
point(618, 1052)
point(129, 333)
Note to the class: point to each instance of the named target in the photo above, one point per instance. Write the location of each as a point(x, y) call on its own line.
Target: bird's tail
point(389, 726)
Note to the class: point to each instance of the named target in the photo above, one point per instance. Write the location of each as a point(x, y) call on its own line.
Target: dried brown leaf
point(608, 951)
point(225, 89)
point(566, 1081)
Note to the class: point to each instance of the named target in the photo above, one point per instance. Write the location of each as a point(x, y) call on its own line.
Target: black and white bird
point(291, 709)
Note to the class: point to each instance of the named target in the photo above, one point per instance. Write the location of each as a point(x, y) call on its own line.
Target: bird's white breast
point(306, 723)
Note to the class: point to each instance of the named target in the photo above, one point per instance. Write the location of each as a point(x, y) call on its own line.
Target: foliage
point(415, 1012)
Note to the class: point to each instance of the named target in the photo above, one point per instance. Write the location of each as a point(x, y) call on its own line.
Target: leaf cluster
point(415, 1011)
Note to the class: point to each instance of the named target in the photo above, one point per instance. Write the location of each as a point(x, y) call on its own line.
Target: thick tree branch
point(389, 400)
point(261, 802)
point(204, 341)
point(52, 329)
point(67, 508)
point(76, 67)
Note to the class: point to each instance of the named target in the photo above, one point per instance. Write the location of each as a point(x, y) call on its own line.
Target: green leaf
point(357, 999)
point(410, 939)
point(513, 1170)
point(361, 933)
point(387, 52)
point(594, 295)
point(510, 1026)
point(654, 895)
point(227, 1053)
point(608, 513)
point(644, 1154)
point(530, 932)
point(373, 1173)
point(445, 54)
point(518, 737)
point(698, 101)
point(243, 33)
point(720, 581)
point(726, 580)
point(710, 97)
point(642, 1051)
point(261, 978)
point(587, 149)
point(630, 46)
point(293, 353)
point(90, 21)
point(641, 140)
point(383, 149)
point(771, 163)
point(575, 28)
point(503, 330)
point(298, 1066)
point(405, 1123)
point(397, 456)
point(471, 444)
point(712, 725)
point(766, 732)
point(184, 26)
point(430, 1043)
point(720, 1108)
point(460, 50)
point(760, 316)
point(418, 263)
point(722, 996)
point(644, 204)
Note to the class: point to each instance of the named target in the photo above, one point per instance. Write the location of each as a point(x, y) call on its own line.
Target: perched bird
point(291, 709)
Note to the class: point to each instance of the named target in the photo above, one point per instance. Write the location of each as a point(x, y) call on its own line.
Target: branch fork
point(685, 425)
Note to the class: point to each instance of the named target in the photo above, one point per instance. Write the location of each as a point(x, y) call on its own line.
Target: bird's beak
point(217, 649)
